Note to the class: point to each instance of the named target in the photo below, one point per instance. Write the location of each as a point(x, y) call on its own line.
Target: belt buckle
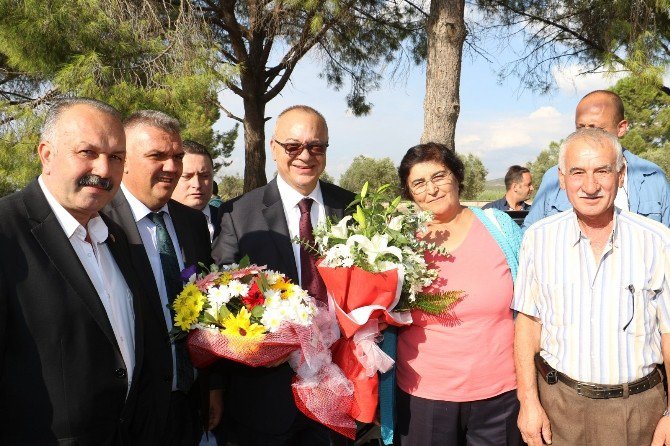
point(552, 377)
point(594, 391)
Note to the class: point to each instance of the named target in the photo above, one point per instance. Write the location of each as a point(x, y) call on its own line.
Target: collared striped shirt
point(602, 319)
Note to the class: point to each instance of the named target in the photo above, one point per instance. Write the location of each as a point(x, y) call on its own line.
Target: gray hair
point(153, 118)
point(55, 112)
point(595, 136)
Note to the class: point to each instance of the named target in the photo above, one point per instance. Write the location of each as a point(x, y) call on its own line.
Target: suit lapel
point(276, 221)
point(51, 237)
point(119, 210)
point(184, 238)
point(121, 256)
point(332, 202)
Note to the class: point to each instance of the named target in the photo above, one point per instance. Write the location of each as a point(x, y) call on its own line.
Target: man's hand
point(215, 408)
point(662, 433)
point(534, 424)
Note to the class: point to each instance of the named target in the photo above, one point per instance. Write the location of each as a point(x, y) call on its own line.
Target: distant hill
point(495, 184)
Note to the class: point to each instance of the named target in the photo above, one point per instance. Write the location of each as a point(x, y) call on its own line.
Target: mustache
point(95, 181)
point(596, 195)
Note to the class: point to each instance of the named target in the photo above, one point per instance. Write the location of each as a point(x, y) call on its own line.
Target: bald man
point(645, 190)
point(258, 405)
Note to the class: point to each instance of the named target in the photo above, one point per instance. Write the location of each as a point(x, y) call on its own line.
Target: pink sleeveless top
point(467, 355)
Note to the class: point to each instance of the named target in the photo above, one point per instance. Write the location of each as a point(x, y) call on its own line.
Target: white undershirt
point(290, 199)
point(147, 230)
point(105, 275)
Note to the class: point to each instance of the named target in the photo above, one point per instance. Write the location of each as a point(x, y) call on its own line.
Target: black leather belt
point(600, 391)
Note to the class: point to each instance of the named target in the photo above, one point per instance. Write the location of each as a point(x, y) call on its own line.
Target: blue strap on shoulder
point(509, 239)
point(387, 387)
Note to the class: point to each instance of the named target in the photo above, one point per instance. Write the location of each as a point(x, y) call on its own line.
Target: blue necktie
point(173, 285)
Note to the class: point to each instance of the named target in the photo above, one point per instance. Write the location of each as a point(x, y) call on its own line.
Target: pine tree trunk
point(254, 143)
point(441, 106)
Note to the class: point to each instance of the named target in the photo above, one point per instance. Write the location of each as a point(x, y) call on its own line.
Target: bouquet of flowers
point(373, 266)
point(245, 313)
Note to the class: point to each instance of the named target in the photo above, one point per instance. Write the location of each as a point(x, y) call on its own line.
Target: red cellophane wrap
point(361, 300)
point(320, 389)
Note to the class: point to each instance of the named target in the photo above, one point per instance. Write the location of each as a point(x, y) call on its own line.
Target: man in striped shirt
point(593, 298)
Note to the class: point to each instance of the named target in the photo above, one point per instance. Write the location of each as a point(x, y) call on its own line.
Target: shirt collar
point(291, 197)
point(208, 213)
point(138, 208)
point(97, 229)
point(576, 231)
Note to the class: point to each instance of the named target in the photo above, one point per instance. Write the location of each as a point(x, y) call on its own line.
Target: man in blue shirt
point(645, 190)
point(519, 185)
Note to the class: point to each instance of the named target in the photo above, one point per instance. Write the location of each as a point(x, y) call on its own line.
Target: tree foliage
point(610, 35)
point(132, 55)
point(230, 186)
point(475, 177)
point(376, 172)
point(545, 160)
point(648, 115)
point(265, 40)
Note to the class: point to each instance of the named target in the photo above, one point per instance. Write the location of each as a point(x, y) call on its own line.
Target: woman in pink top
point(456, 373)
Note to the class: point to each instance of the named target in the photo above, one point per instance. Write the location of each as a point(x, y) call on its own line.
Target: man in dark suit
point(165, 237)
point(73, 351)
point(259, 406)
point(196, 184)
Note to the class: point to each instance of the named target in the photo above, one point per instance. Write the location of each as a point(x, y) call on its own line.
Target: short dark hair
point(613, 98)
point(153, 118)
point(195, 148)
point(56, 110)
point(427, 152)
point(514, 175)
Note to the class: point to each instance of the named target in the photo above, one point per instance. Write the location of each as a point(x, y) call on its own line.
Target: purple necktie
point(311, 279)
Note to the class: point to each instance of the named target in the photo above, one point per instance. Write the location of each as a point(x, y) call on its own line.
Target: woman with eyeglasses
point(455, 372)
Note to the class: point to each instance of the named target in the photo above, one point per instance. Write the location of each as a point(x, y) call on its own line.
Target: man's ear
point(622, 128)
point(622, 174)
point(46, 152)
point(561, 179)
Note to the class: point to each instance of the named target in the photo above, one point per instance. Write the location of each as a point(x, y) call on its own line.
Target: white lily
point(374, 248)
point(396, 223)
point(341, 230)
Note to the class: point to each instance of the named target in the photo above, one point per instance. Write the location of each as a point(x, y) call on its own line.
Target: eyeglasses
point(295, 148)
point(439, 179)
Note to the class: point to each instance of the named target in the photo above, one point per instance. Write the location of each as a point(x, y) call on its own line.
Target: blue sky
point(500, 123)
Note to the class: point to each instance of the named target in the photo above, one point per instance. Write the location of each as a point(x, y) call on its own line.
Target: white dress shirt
point(290, 199)
point(107, 279)
point(147, 230)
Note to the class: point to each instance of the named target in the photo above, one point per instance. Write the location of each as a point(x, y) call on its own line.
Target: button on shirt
point(105, 275)
point(147, 232)
point(290, 199)
point(585, 303)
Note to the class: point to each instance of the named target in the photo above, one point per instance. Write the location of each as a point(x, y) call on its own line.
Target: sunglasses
point(295, 148)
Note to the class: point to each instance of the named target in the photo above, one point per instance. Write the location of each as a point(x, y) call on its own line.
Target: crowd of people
point(561, 336)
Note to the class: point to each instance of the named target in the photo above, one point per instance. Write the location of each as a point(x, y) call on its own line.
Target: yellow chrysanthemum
point(240, 326)
point(224, 278)
point(185, 317)
point(284, 287)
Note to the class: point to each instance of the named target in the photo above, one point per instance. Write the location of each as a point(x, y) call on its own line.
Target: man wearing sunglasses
point(258, 402)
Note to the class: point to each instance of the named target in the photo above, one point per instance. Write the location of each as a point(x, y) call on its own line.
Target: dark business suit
point(62, 376)
point(193, 238)
point(255, 225)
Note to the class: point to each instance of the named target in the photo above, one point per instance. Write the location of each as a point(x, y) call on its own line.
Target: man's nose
point(590, 184)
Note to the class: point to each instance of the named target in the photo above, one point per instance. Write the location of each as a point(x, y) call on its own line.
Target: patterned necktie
point(311, 279)
point(171, 276)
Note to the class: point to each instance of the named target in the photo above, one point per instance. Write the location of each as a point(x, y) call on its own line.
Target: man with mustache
point(593, 296)
point(165, 237)
point(645, 189)
point(74, 346)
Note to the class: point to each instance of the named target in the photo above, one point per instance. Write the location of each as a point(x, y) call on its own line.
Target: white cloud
point(573, 79)
point(546, 112)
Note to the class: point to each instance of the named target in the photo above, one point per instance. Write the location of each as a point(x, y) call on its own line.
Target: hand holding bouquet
point(373, 266)
point(257, 317)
